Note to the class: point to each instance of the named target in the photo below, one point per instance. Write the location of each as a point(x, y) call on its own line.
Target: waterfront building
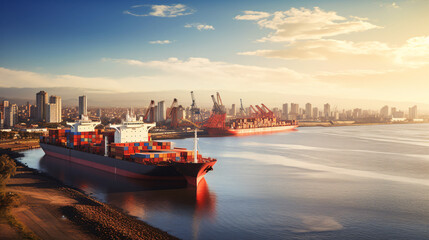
point(285, 111)
point(11, 116)
point(54, 111)
point(161, 111)
point(315, 113)
point(83, 106)
point(412, 112)
point(308, 111)
point(327, 110)
point(384, 112)
point(233, 111)
point(41, 101)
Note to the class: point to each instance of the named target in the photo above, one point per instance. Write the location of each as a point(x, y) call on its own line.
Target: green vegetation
point(9, 200)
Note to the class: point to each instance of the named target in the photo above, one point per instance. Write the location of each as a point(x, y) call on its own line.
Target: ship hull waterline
point(174, 172)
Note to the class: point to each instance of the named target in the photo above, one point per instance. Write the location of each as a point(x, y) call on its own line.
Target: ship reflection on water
point(137, 197)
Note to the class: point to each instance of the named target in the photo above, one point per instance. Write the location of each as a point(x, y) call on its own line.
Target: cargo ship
point(258, 121)
point(126, 151)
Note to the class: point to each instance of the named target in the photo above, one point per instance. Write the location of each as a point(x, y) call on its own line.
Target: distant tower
point(285, 111)
point(83, 106)
point(11, 116)
point(315, 113)
point(308, 112)
point(412, 112)
point(233, 110)
point(327, 110)
point(161, 111)
point(41, 101)
point(384, 112)
point(53, 110)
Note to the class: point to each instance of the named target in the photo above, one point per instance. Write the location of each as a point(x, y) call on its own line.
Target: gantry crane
point(195, 111)
point(149, 116)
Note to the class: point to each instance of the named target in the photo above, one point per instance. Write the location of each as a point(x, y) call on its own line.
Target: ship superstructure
point(132, 130)
point(83, 125)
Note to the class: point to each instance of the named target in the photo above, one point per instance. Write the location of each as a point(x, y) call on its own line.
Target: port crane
point(195, 111)
point(149, 116)
point(218, 116)
point(242, 110)
point(268, 113)
point(173, 113)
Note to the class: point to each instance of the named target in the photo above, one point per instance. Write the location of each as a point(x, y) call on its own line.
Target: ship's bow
point(194, 172)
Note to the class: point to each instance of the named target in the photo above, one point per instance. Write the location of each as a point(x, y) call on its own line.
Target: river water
point(357, 182)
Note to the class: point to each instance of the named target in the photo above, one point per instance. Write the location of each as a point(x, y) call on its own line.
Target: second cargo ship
point(128, 151)
point(257, 121)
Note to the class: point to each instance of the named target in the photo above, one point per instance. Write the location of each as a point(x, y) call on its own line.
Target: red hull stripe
point(194, 181)
point(109, 168)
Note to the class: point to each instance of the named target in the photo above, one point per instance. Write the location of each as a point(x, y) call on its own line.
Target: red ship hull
point(248, 131)
point(176, 171)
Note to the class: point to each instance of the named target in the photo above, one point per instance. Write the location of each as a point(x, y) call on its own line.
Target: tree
point(7, 168)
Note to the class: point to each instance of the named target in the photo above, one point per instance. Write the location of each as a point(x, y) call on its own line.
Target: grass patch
point(9, 200)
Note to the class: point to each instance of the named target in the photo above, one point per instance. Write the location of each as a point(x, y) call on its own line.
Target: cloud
point(17, 78)
point(199, 26)
point(252, 15)
point(174, 10)
point(324, 49)
point(389, 5)
point(296, 24)
point(160, 42)
point(415, 53)
point(182, 74)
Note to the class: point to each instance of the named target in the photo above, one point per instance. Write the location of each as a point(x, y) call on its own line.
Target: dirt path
point(53, 211)
point(40, 209)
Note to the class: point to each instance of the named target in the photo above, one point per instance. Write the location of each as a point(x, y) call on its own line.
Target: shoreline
point(53, 210)
point(329, 124)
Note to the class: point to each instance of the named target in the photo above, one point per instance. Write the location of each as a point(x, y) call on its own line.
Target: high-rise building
point(412, 112)
point(308, 112)
point(4, 104)
point(161, 111)
point(327, 110)
point(392, 111)
point(11, 116)
point(384, 112)
point(233, 110)
point(99, 113)
point(54, 114)
point(294, 111)
point(41, 101)
point(83, 106)
point(315, 113)
point(28, 110)
point(294, 108)
point(285, 110)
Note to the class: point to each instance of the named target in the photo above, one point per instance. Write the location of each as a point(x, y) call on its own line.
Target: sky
point(367, 49)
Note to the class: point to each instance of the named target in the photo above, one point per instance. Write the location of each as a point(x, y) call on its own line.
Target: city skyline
point(367, 50)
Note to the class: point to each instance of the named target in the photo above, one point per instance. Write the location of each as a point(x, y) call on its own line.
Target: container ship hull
point(248, 131)
point(191, 172)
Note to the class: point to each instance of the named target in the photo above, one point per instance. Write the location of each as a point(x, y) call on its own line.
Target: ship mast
point(195, 147)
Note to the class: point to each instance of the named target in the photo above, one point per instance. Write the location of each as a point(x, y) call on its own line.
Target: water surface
point(358, 182)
